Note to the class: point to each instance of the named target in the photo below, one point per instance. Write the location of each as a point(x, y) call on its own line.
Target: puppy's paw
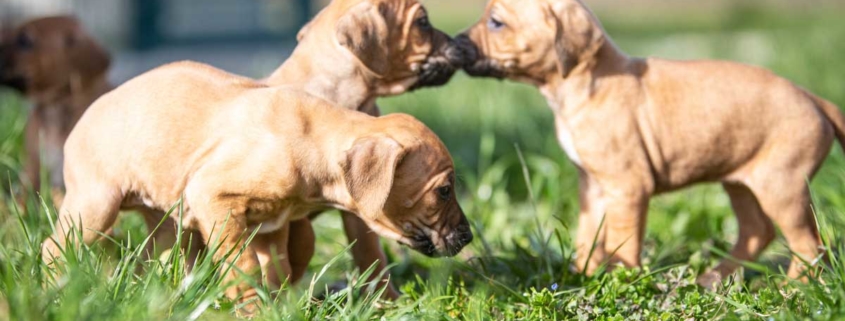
point(710, 280)
point(248, 304)
point(389, 294)
point(589, 267)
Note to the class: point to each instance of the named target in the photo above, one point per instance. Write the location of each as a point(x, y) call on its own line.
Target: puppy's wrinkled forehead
point(428, 149)
point(425, 164)
point(527, 12)
point(400, 10)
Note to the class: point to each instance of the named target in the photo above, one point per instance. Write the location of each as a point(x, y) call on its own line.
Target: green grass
point(517, 268)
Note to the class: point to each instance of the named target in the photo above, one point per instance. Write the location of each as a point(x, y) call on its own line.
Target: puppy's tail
point(833, 114)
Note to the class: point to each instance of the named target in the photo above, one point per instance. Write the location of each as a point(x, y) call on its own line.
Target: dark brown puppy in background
point(638, 127)
point(351, 53)
point(61, 70)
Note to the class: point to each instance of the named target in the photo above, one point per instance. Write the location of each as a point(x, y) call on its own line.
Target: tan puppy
point(61, 70)
point(351, 53)
point(639, 127)
point(246, 157)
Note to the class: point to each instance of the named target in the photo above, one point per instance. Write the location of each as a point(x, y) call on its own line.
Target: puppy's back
point(169, 118)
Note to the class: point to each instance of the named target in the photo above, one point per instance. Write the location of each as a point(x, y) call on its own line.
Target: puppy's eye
point(444, 192)
point(24, 41)
point(423, 22)
point(494, 24)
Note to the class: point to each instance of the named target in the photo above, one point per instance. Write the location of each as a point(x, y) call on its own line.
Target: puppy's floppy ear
point(85, 55)
point(578, 35)
point(363, 30)
point(369, 167)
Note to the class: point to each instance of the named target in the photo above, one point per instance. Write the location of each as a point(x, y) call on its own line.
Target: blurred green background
point(486, 122)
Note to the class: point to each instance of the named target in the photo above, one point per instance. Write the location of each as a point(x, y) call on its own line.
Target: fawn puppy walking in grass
point(637, 127)
point(244, 158)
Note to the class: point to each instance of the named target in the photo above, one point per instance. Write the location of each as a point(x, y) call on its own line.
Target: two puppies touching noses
point(272, 154)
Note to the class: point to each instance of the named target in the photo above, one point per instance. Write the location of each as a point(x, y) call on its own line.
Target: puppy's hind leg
point(367, 251)
point(780, 182)
point(31, 178)
point(300, 247)
point(756, 231)
point(32, 169)
point(788, 204)
point(272, 251)
point(87, 210)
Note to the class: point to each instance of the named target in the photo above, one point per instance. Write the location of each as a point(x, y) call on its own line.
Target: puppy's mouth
point(422, 244)
point(479, 66)
point(448, 246)
point(8, 77)
point(14, 82)
point(439, 67)
point(435, 71)
point(486, 68)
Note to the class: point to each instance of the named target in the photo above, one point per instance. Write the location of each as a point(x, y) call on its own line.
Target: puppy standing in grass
point(351, 53)
point(638, 127)
point(248, 157)
point(61, 70)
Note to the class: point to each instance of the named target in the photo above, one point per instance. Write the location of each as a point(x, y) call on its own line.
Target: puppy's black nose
point(466, 237)
point(458, 238)
point(466, 49)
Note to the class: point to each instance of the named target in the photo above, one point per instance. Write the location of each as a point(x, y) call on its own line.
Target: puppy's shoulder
point(298, 96)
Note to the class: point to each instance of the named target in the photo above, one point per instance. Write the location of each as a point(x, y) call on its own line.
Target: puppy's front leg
point(163, 238)
point(229, 232)
point(32, 169)
point(624, 226)
point(367, 250)
point(589, 242)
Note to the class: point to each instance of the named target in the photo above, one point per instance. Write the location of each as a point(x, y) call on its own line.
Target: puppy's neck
point(321, 153)
point(327, 73)
point(609, 67)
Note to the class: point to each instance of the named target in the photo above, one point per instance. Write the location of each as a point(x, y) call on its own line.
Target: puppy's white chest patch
point(273, 224)
point(564, 137)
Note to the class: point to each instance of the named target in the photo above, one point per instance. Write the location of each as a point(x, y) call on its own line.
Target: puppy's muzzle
point(458, 238)
point(478, 66)
point(7, 76)
point(441, 65)
point(451, 243)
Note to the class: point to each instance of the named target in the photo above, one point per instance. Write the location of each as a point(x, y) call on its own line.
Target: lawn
point(519, 192)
